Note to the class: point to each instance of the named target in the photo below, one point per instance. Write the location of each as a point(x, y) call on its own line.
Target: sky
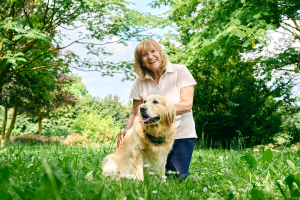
point(100, 86)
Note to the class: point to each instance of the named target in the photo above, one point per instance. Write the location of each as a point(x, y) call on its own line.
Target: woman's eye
point(153, 51)
point(155, 101)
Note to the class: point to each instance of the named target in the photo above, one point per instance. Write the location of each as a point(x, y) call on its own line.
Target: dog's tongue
point(145, 119)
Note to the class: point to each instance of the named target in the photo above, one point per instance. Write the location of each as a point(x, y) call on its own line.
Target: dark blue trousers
point(180, 156)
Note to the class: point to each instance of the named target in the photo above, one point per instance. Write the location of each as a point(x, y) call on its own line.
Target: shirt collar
point(169, 68)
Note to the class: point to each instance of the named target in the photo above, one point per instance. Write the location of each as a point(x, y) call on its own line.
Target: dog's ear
point(171, 113)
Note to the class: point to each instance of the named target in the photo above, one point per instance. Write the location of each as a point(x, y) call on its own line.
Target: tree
point(223, 43)
point(38, 94)
point(11, 98)
point(78, 89)
point(29, 32)
point(39, 105)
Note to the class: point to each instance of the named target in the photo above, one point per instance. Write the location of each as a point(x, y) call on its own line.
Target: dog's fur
point(137, 149)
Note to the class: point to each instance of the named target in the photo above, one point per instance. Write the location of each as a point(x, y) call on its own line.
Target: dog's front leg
point(162, 169)
point(138, 165)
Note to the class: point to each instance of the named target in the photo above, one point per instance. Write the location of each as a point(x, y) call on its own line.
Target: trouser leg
point(180, 156)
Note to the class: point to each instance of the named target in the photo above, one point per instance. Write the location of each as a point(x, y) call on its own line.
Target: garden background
point(244, 56)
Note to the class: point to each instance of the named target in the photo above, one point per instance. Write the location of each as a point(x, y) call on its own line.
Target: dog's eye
point(145, 101)
point(155, 101)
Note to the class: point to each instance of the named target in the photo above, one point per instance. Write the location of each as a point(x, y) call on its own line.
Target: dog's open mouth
point(148, 120)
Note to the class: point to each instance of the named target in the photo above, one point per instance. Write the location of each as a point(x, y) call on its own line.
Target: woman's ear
point(171, 114)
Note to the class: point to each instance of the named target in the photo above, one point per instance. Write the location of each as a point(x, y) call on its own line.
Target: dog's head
point(155, 109)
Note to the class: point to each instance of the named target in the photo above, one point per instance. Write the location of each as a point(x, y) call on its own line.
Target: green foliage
point(4, 183)
point(103, 119)
point(240, 89)
point(30, 41)
point(267, 157)
point(95, 126)
point(257, 194)
point(109, 105)
point(250, 160)
point(78, 89)
point(215, 174)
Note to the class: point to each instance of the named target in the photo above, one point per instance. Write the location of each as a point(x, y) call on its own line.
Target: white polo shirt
point(170, 83)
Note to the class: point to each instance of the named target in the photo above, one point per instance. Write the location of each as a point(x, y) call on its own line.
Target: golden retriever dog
point(147, 143)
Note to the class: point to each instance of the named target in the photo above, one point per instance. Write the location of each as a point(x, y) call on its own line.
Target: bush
point(30, 139)
point(96, 127)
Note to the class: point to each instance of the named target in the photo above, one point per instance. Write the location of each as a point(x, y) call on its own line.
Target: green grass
point(62, 172)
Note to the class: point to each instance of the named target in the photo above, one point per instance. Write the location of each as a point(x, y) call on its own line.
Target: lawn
point(73, 172)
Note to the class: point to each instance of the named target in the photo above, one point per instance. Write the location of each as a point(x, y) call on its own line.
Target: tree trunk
point(13, 120)
point(4, 121)
point(40, 126)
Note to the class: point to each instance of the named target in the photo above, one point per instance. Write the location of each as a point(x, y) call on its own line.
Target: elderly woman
point(159, 76)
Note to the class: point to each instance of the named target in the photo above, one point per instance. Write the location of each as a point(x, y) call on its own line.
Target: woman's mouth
point(154, 61)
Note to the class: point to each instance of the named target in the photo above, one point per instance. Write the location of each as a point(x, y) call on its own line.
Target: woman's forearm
point(186, 104)
point(183, 107)
point(130, 121)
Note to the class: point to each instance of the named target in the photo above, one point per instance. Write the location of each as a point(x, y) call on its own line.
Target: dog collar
point(155, 140)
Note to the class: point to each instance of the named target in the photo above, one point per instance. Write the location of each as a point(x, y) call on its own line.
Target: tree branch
point(44, 20)
point(296, 25)
point(42, 54)
point(27, 17)
point(31, 69)
point(289, 26)
point(95, 70)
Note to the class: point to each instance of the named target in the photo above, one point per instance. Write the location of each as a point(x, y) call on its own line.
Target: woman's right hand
point(121, 136)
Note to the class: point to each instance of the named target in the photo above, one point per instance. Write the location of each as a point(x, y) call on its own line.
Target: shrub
point(76, 139)
point(95, 126)
point(30, 139)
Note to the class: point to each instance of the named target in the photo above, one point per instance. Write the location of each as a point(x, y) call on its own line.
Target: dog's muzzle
point(146, 119)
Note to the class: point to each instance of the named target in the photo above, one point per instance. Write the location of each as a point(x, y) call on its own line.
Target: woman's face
point(152, 59)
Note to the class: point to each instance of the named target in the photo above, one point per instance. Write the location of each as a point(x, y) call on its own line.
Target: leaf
point(290, 163)
point(4, 195)
point(50, 185)
point(257, 194)
point(250, 160)
point(99, 195)
point(130, 197)
point(240, 33)
point(267, 156)
point(4, 183)
point(215, 196)
point(256, 16)
point(290, 180)
point(281, 190)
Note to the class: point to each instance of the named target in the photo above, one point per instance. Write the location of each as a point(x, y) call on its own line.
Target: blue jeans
point(180, 156)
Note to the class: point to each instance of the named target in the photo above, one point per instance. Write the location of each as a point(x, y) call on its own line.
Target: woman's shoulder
point(178, 67)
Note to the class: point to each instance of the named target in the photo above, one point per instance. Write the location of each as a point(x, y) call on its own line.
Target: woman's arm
point(186, 103)
point(134, 112)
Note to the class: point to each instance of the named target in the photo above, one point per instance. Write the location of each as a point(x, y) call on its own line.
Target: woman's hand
point(121, 136)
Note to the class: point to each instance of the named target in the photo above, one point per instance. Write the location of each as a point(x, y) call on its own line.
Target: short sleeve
point(186, 78)
point(135, 93)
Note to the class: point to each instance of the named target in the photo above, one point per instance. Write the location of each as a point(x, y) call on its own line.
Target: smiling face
point(152, 59)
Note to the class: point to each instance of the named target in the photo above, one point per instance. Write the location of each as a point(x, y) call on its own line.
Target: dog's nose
point(143, 108)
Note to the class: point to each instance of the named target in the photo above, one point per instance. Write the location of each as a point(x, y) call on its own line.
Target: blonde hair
point(145, 45)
